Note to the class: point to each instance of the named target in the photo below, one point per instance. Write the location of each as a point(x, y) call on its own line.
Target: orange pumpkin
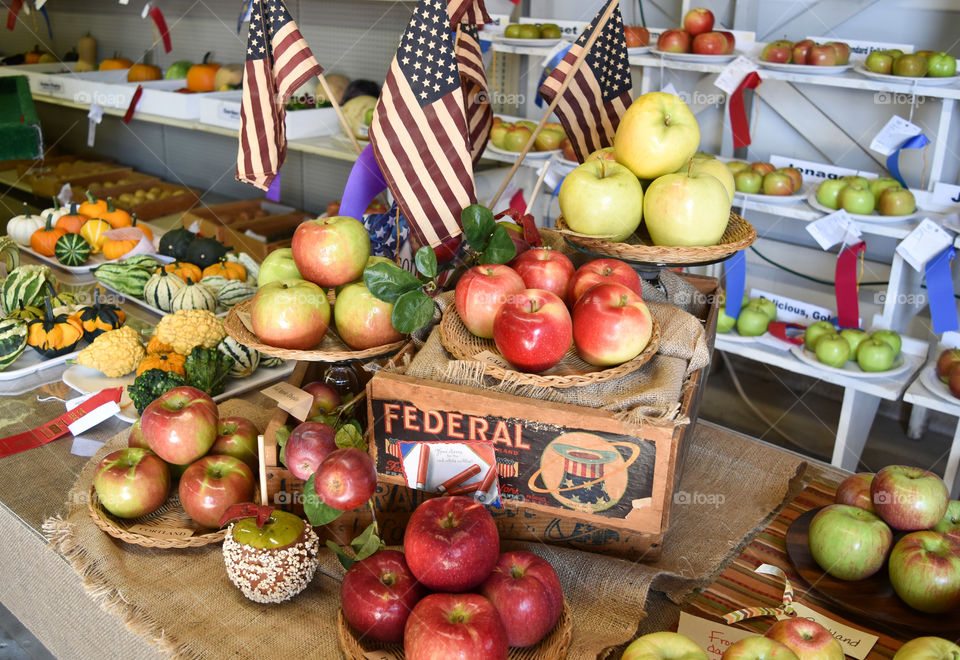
point(228, 269)
point(44, 241)
point(116, 217)
point(33, 56)
point(144, 228)
point(114, 249)
point(185, 270)
point(93, 207)
point(143, 72)
point(115, 63)
point(73, 221)
point(201, 77)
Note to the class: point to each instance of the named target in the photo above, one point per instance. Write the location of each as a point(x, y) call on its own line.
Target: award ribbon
point(738, 112)
point(779, 330)
point(893, 160)
point(786, 608)
point(132, 108)
point(735, 269)
point(846, 282)
point(943, 304)
point(15, 6)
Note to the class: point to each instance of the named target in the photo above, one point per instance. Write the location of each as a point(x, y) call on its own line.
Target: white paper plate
point(517, 41)
point(811, 69)
point(851, 368)
point(875, 218)
point(31, 362)
point(737, 338)
point(532, 154)
point(928, 378)
point(781, 200)
point(696, 57)
point(638, 50)
point(925, 81)
point(139, 302)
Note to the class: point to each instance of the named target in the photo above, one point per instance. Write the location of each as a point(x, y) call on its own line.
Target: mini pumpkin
point(92, 207)
point(142, 227)
point(116, 217)
point(100, 317)
point(44, 241)
point(155, 346)
point(52, 336)
point(95, 231)
point(200, 77)
point(72, 221)
point(186, 271)
point(21, 227)
point(228, 269)
point(172, 362)
point(116, 248)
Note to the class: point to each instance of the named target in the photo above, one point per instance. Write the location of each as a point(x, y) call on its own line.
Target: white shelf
point(918, 394)
point(542, 51)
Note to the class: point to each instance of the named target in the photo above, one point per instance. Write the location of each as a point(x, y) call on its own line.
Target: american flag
point(419, 131)
point(591, 107)
point(467, 11)
point(476, 96)
point(278, 62)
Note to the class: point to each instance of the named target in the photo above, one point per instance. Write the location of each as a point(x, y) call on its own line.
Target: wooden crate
point(104, 185)
point(47, 181)
point(270, 225)
point(159, 207)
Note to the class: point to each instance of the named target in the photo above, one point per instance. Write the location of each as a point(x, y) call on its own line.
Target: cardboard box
point(147, 210)
point(47, 181)
point(255, 226)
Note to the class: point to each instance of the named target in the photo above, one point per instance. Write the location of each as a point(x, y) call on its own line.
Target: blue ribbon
point(547, 70)
point(485, 46)
point(893, 160)
point(943, 305)
point(46, 17)
point(245, 10)
point(382, 228)
point(556, 191)
point(735, 269)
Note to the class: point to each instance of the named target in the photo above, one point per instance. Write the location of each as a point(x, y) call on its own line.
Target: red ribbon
point(128, 115)
point(12, 14)
point(738, 112)
point(779, 330)
point(845, 281)
point(161, 24)
point(518, 202)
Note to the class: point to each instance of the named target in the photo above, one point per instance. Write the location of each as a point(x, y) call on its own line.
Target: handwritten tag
point(838, 227)
point(734, 73)
point(292, 399)
point(924, 243)
point(945, 194)
point(791, 310)
point(893, 134)
point(855, 643)
point(94, 117)
point(714, 638)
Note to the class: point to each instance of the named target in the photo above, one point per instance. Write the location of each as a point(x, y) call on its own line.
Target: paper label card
point(859, 49)
point(813, 170)
point(894, 133)
point(454, 468)
point(855, 643)
point(714, 638)
point(945, 194)
point(292, 399)
point(792, 310)
point(924, 243)
point(837, 227)
point(734, 73)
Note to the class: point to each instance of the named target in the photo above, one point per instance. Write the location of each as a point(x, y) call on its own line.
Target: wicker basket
point(552, 647)
point(571, 371)
point(331, 348)
point(169, 516)
point(739, 235)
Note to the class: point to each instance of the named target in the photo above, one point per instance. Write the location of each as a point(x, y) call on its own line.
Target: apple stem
point(689, 167)
point(603, 168)
point(449, 522)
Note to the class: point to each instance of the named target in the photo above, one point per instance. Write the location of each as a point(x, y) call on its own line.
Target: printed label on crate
point(452, 468)
point(814, 170)
point(228, 112)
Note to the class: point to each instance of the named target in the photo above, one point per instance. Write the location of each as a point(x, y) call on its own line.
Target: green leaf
point(366, 543)
point(282, 435)
point(316, 511)
point(324, 418)
point(350, 436)
point(388, 282)
point(412, 311)
point(501, 248)
point(478, 223)
point(426, 260)
point(345, 560)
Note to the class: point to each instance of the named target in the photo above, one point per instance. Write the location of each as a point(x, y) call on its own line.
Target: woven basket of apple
point(652, 198)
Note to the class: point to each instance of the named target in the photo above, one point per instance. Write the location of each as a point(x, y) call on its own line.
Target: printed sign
point(452, 468)
point(791, 310)
point(813, 170)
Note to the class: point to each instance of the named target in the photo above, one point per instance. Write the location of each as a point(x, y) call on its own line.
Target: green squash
point(235, 291)
point(205, 252)
point(13, 341)
point(24, 287)
point(72, 250)
point(175, 242)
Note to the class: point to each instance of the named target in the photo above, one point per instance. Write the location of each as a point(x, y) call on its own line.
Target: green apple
point(832, 350)
point(881, 183)
point(548, 139)
point(686, 209)
point(815, 331)
point(753, 321)
point(603, 198)
point(928, 648)
point(891, 338)
point(498, 133)
point(941, 65)
point(849, 543)
point(725, 323)
point(280, 530)
point(856, 180)
point(663, 645)
point(855, 198)
point(950, 523)
point(516, 138)
point(532, 125)
point(278, 265)
point(896, 201)
point(879, 62)
point(748, 181)
point(715, 168)
point(737, 166)
point(875, 355)
point(550, 31)
point(529, 31)
point(828, 192)
point(893, 52)
point(854, 337)
point(657, 134)
point(177, 70)
point(768, 306)
point(910, 65)
point(512, 31)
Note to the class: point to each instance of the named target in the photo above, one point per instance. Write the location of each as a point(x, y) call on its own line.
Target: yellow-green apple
point(131, 482)
point(290, 314)
point(854, 198)
point(941, 65)
point(526, 591)
point(529, 31)
point(758, 648)
point(530, 125)
point(697, 21)
point(828, 192)
point(832, 350)
point(767, 306)
point(611, 324)
point(709, 43)
point(737, 166)
point(881, 183)
point(879, 61)
point(843, 51)
point(807, 639)
point(849, 543)
point(548, 139)
point(213, 484)
point(909, 498)
point(481, 291)
point(180, 425)
point(309, 443)
point(566, 149)
point(346, 479)
point(663, 645)
point(325, 398)
point(780, 51)
point(854, 337)
point(516, 138)
point(928, 648)
point(948, 359)
point(602, 198)
point(953, 383)
point(855, 491)
point(454, 626)
point(856, 179)
point(800, 51)
point(778, 183)
point(752, 321)
point(498, 132)
point(875, 355)
point(278, 265)
point(533, 330)
point(637, 36)
point(910, 65)
point(716, 169)
point(891, 338)
point(657, 134)
point(377, 595)
point(512, 31)
point(893, 52)
point(674, 41)
point(603, 270)
point(362, 320)
point(331, 251)
point(822, 55)
point(544, 268)
point(748, 181)
point(237, 437)
point(896, 201)
point(731, 41)
point(950, 523)
point(925, 571)
point(725, 323)
point(135, 437)
point(606, 153)
point(815, 331)
point(686, 209)
point(795, 175)
point(762, 168)
point(451, 543)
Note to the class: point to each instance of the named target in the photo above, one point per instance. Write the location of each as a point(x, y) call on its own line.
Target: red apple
point(447, 626)
point(533, 330)
point(843, 51)
point(801, 50)
point(674, 41)
point(566, 147)
point(362, 320)
point(731, 41)
point(602, 270)
point(213, 484)
point(526, 591)
point(181, 425)
point(331, 251)
point(807, 639)
point(637, 36)
point(237, 437)
point(345, 479)
point(325, 398)
point(480, 293)
point(290, 313)
point(945, 363)
point(309, 443)
point(909, 498)
point(135, 439)
point(377, 595)
point(757, 648)
point(780, 51)
point(451, 543)
point(794, 174)
point(698, 21)
point(763, 169)
point(131, 482)
point(855, 491)
point(822, 55)
point(925, 571)
point(709, 43)
point(611, 324)
point(544, 268)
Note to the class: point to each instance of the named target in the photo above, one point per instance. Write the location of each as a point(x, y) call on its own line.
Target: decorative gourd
point(72, 250)
point(21, 227)
point(9, 255)
point(44, 241)
point(215, 282)
point(175, 242)
point(245, 360)
point(52, 336)
point(95, 231)
point(71, 221)
point(114, 248)
point(205, 252)
point(92, 207)
point(271, 361)
point(157, 347)
point(143, 72)
point(200, 77)
point(172, 362)
point(26, 313)
point(248, 262)
point(234, 292)
point(114, 63)
point(228, 76)
point(100, 317)
point(25, 286)
point(161, 288)
point(13, 341)
point(128, 280)
point(194, 296)
point(116, 217)
point(229, 269)
point(58, 210)
point(186, 271)
point(87, 53)
point(142, 227)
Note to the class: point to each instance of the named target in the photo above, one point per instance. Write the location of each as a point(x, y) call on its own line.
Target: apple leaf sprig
point(349, 433)
point(364, 545)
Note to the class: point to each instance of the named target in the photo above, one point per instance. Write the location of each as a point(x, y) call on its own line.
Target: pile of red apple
point(947, 371)
point(765, 179)
point(537, 308)
point(180, 434)
point(832, 53)
point(482, 601)
point(697, 36)
point(854, 538)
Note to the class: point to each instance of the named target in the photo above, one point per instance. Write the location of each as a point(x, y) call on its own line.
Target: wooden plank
point(819, 18)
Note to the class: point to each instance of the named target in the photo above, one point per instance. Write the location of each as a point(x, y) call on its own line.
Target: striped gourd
point(9, 254)
point(214, 282)
point(72, 250)
point(144, 261)
point(128, 281)
point(25, 286)
point(161, 288)
point(270, 361)
point(245, 360)
point(234, 292)
point(13, 340)
point(194, 296)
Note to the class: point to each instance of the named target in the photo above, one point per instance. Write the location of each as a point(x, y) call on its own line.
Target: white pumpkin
point(21, 227)
point(57, 210)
